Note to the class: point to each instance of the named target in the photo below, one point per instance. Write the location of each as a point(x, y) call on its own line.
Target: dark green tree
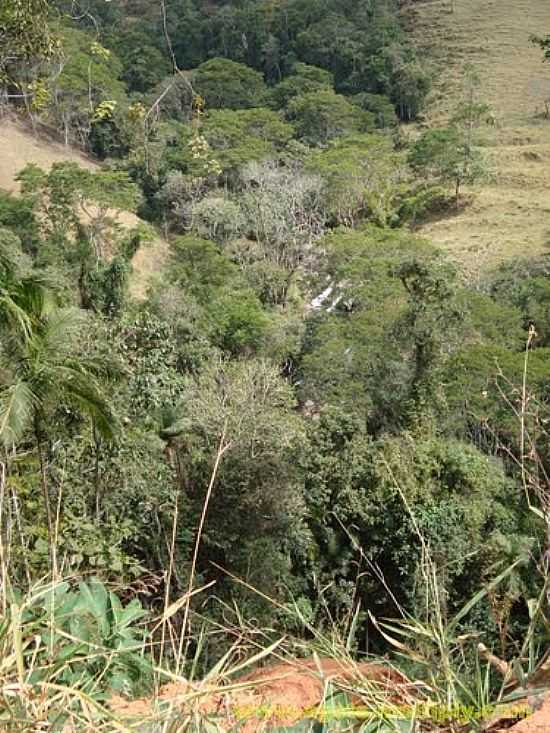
point(225, 84)
point(426, 327)
point(304, 79)
point(322, 115)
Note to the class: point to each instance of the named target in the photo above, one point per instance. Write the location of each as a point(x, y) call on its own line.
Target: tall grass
point(58, 673)
point(35, 694)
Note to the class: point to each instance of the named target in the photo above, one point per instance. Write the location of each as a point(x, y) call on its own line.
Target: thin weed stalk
point(223, 447)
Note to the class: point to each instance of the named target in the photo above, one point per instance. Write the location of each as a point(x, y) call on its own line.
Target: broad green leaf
point(94, 601)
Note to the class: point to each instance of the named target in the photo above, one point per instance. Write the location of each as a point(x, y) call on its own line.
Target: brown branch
point(501, 666)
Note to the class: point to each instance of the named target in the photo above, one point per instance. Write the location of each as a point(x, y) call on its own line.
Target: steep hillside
point(510, 216)
point(19, 147)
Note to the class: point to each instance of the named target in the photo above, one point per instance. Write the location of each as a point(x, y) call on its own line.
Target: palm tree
point(20, 295)
point(40, 369)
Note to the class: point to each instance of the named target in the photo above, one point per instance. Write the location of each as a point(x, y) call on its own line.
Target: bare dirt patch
point(19, 147)
point(280, 694)
point(539, 722)
point(286, 693)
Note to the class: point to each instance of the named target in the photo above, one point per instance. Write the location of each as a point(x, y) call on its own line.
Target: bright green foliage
point(127, 487)
point(444, 155)
point(303, 80)
point(365, 179)
point(322, 115)
point(356, 353)
point(238, 322)
point(482, 386)
point(44, 371)
point(422, 199)
point(25, 35)
point(77, 210)
point(232, 311)
point(235, 137)
point(21, 290)
point(201, 267)
point(224, 84)
point(89, 634)
point(491, 321)
point(68, 193)
point(244, 135)
point(17, 214)
point(44, 374)
point(90, 75)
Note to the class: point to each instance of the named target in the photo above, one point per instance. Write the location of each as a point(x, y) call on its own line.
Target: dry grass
point(510, 215)
point(19, 147)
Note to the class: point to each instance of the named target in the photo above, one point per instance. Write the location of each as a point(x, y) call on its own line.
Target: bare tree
point(283, 214)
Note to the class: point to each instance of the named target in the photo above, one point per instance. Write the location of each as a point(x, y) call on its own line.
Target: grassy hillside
point(510, 216)
point(20, 147)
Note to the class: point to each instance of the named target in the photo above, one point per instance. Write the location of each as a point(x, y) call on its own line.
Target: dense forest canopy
point(349, 397)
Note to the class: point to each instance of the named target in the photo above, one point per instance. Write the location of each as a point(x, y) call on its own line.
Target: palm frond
point(58, 332)
point(34, 295)
point(17, 404)
point(80, 389)
point(13, 315)
point(104, 368)
point(23, 303)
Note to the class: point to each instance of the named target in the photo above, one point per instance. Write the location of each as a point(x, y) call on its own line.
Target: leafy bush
point(87, 639)
point(322, 115)
point(226, 84)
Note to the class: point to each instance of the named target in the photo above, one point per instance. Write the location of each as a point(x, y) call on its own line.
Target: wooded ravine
point(275, 365)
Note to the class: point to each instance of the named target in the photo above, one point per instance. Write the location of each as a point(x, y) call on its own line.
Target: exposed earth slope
point(18, 147)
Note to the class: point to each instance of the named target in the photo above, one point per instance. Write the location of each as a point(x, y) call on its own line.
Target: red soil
point(285, 693)
point(539, 722)
point(279, 694)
